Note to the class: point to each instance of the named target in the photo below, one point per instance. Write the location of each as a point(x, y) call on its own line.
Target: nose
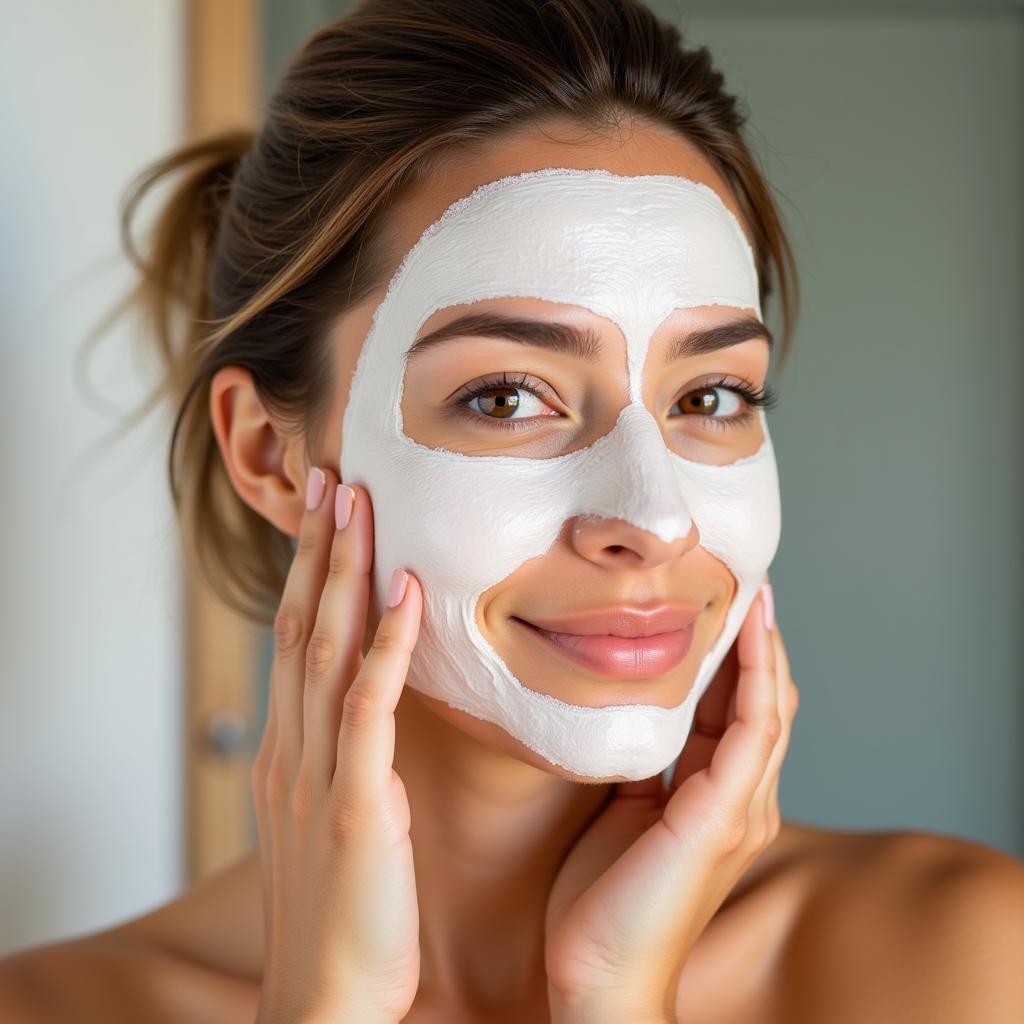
point(616, 544)
point(632, 510)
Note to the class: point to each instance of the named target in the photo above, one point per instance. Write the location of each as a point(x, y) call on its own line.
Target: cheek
point(710, 440)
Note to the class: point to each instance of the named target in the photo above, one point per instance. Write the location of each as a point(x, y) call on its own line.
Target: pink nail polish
point(315, 486)
point(769, 605)
point(399, 578)
point(343, 499)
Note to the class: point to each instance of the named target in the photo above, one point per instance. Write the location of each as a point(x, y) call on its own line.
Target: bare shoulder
point(217, 923)
point(905, 926)
point(187, 960)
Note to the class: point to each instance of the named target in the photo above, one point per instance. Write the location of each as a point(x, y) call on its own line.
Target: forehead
point(636, 146)
point(630, 248)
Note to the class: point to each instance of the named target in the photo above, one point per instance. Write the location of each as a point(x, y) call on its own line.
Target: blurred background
point(893, 130)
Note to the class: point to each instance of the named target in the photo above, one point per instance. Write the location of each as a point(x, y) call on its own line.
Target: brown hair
point(269, 237)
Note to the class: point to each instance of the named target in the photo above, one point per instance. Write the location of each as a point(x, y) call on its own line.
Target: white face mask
point(631, 249)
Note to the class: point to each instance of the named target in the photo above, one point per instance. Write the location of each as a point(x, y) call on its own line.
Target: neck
point(489, 833)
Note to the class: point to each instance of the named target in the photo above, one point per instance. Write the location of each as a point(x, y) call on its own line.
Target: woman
point(493, 841)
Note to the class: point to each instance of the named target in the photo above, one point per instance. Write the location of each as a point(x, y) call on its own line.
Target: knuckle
point(391, 640)
point(384, 642)
point(308, 541)
point(360, 707)
point(771, 831)
point(771, 731)
point(321, 653)
point(289, 628)
point(337, 561)
point(733, 833)
point(794, 697)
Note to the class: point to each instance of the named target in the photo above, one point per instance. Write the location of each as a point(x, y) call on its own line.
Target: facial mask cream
point(629, 248)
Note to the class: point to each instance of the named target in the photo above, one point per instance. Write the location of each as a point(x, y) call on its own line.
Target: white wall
point(90, 661)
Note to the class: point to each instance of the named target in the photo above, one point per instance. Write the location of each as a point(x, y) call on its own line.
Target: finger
point(765, 802)
point(335, 654)
point(791, 701)
point(268, 741)
point(742, 755)
point(696, 753)
point(726, 785)
point(709, 721)
point(781, 655)
point(712, 716)
point(790, 695)
point(258, 785)
point(294, 620)
point(715, 712)
point(366, 740)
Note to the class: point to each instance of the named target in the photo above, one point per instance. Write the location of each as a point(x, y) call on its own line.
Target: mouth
point(650, 648)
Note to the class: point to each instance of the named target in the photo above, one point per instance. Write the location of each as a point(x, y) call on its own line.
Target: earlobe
point(263, 464)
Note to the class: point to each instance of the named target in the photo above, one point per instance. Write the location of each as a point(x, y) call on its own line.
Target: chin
point(494, 740)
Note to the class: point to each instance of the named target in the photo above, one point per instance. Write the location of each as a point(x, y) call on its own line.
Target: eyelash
point(764, 397)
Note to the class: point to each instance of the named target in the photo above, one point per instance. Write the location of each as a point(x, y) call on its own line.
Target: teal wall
point(897, 142)
point(894, 135)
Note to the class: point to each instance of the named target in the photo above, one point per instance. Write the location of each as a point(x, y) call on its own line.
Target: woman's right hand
point(339, 895)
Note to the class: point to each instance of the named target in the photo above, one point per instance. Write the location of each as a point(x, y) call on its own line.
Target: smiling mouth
point(619, 657)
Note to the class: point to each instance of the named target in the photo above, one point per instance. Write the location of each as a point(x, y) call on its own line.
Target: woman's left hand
point(643, 881)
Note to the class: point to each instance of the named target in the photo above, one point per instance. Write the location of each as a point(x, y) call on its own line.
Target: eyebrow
point(584, 343)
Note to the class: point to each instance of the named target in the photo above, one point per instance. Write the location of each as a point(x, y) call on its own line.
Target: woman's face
point(492, 388)
point(562, 403)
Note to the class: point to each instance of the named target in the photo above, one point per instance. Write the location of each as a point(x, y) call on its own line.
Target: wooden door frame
point(224, 49)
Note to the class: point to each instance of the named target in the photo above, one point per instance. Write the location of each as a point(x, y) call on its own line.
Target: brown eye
point(506, 403)
point(706, 402)
point(498, 403)
point(702, 401)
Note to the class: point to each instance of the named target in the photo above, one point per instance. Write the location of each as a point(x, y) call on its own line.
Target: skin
point(822, 925)
point(453, 782)
point(599, 561)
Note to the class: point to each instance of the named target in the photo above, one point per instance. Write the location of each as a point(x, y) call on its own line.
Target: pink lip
point(622, 620)
point(625, 643)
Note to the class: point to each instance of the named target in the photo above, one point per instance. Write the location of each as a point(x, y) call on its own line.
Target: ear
point(266, 467)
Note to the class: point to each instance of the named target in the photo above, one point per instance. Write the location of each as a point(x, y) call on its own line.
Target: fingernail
point(769, 605)
point(315, 486)
point(396, 591)
point(343, 498)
